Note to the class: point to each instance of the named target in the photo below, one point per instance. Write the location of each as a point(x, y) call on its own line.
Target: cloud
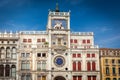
point(111, 39)
point(11, 26)
point(109, 42)
point(98, 29)
point(105, 29)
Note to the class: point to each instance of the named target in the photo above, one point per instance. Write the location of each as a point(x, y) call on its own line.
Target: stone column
point(4, 69)
point(5, 52)
point(33, 63)
point(10, 70)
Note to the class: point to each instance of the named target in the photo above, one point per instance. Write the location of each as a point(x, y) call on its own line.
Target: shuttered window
point(93, 66)
point(94, 77)
point(89, 77)
point(71, 40)
point(74, 66)
point(88, 41)
point(88, 66)
point(75, 40)
point(79, 66)
point(84, 41)
point(73, 55)
point(74, 77)
point(79, 77)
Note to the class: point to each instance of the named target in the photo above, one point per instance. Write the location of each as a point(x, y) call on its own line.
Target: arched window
point(107, 71)
point(38, 65)
point(119, 71)
point(114, 79)
point(28, 76)
point(114, 70)
point(8, 52)
point(13, 70)
point(13, 50)
point(74, 66)
point(88, 66)
point(2, 52)
point(14, 53)
point(74, 77)
point(107, 78)
point(89, 77)
point(79, 66)
point(23, 76)
point(94, 77)
point(43, 77)
point(25, 65)
point(7, 71)
point(93, 66)
point(1, 70)
point(79, 77)
point(43, 65)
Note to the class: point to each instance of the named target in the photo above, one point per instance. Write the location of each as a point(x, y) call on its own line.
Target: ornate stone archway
point(59, 78)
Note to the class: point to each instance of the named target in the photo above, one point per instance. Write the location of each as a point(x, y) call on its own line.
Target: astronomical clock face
point(61, 22)
point(59, 61)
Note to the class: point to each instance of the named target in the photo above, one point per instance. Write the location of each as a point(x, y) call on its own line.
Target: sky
point(99, 16)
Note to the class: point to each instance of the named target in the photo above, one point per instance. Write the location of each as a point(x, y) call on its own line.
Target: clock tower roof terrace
point(53, 13)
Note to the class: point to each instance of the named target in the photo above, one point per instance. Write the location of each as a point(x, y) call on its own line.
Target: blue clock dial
point(59, 61)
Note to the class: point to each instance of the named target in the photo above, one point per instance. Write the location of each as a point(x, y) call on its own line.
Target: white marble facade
point(54, 54)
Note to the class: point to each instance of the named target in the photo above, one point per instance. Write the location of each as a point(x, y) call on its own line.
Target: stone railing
point(82, 33)
point(85, 47)
point(59, 13)
point(33, 32)
point(9, 35)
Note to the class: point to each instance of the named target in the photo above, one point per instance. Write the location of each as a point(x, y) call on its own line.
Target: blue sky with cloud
point(99, 16)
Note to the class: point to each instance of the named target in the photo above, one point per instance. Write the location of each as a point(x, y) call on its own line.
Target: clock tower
point(59, 57)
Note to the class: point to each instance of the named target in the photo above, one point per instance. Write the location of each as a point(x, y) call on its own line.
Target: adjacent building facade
point(110, 64)
point(54, 54)
point(8, 55)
